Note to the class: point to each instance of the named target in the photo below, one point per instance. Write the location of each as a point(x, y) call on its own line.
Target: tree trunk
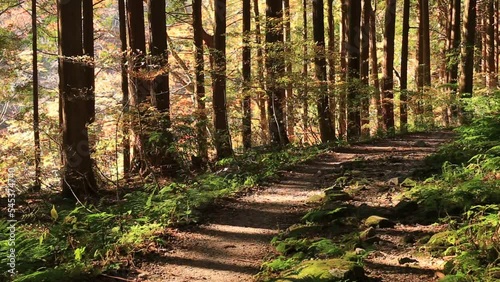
point(403, 105)
point(275, 66)
point(88, 51)
point(36, 116)
point(375, 101)
point(325, 122)
point(455, 51)
point(160, 89)
point(343, 68)
point(305, 72)
point(365, 68)
point(261, 97)
point(289, 71)
point(469, 35)
point(387, 81)
point(353, 70)
point(138, 85)
point(124, 87)
point(331, 62)
point(201, 115)
point(490, 42)
point(78, 177)
point(222, 137)
point(246, 69)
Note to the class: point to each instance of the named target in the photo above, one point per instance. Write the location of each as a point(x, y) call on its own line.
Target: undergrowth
point(63, 243)
point(466, 195)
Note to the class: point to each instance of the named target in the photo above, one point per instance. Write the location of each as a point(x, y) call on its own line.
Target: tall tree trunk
point(331, 62)
point(261, 98)
point(353, 68)
point(138, 85)
point(36, 116)
point(469, 35)
point(290, 121)
point(201, 116)
point(124, 87)
point(365, 68)
point(403, 105)
point(387, 81)
point(78, 176)
point(246, 69)
point(88, 50)
point(343, 68)
point(325, 122)
point(221, 124)
point(375, 101)
point(490, 42)
point(305, 71)
point(160, 88)
point(455, 51)
point(275, 66)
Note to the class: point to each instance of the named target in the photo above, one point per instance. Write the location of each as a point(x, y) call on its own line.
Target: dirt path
point(232, 245)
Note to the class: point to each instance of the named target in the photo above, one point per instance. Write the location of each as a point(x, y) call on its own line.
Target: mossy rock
point(302, 231)
point(338, 196)
point(442, 240)
point(326, 215)
point(325, 270)
point(378, 221)
point(367, 234)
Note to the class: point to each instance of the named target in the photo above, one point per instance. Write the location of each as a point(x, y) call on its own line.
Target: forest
point(251, 140)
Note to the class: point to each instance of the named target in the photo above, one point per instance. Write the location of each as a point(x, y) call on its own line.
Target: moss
point(366, 234)
point(301, 231)
point(442, 239)
point(338, 196)
point(315, 199)
point(325, 270)
point(324, 216)
point(378, 221)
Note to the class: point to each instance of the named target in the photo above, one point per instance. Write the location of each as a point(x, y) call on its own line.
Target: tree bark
point(201, 115)
point(36, 116)
point(403, 105)
point(387, 81)
point(490, 48)
point(331, 63)
point(221, 124)
point(305, 71)
point(88, 51)
point(353, 70)
point(365, 68)
point(246, 69)
point(78, 177)
point(290, 121)
point(138, 85)
point(327, 131)
point(275, 66)
point(343, 68)
point(469, 35)
point(162, 154)
point(375, 101)
point(124, 88)
point(261, 96)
